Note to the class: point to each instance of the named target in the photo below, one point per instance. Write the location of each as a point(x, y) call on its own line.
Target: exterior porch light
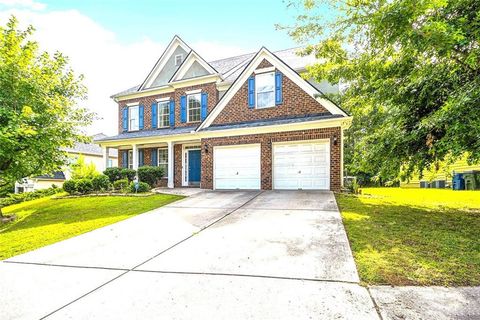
point(335, 140)
point(205, 148)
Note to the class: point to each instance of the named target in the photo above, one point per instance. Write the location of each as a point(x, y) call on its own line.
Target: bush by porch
point(116, 180)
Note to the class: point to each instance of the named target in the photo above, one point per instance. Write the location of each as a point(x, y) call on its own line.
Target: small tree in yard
point(82, 170)
point(39, 115)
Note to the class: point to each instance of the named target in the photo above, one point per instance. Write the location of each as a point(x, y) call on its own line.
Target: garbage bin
point(457, 182)
point(472, 180)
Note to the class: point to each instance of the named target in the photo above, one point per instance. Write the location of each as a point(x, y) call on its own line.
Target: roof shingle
point(149, 133)
point(224, 66)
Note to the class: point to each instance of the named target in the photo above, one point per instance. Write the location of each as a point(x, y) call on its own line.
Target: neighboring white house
point(91, 152)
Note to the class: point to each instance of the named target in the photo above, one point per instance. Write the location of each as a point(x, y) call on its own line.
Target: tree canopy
point(411, 70)
point(39, 111)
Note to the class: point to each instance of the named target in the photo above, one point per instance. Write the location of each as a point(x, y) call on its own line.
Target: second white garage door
point(237, 167)
point(304, 165)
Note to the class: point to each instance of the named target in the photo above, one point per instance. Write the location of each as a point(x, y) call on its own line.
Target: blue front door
point(194, 166)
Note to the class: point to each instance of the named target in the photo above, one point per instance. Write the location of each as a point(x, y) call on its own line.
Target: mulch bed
point(106, 195)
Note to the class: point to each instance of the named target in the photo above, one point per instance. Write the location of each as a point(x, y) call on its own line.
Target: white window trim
point(166, 163)
point(181, 59)
point(199, 109)
point(162, 99)
point(264, 70)
point(256, 90)
point(159, 116)
point(193, 91)
point(130, 118)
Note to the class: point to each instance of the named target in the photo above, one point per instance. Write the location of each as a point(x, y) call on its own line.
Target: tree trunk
point(1, 213)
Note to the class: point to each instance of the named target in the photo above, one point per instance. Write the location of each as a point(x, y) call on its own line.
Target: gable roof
point(92, 148)
point(289, 56)
point(191, 58)
point(230, 68)
point(273, 121)
point(56, 175)
point(157, 68)
point(262, 54)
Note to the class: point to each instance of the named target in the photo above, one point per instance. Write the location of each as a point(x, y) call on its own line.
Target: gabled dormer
point(268, 89)
point(167, 65)
point(194, 66)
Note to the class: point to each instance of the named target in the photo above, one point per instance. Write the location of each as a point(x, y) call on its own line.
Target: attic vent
point(178, 59)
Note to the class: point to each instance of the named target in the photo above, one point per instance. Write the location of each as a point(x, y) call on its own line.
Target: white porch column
point(134, 157)
point(170, 164)
point(106, 154)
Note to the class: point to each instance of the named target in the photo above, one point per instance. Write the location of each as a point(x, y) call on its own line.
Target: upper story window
point(163, 114)
point(178, 59)
point(265, 89)
point(133, 118)
point(193, 107)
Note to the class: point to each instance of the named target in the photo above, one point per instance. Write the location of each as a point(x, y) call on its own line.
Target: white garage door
point(303, 165)
point(237, 167)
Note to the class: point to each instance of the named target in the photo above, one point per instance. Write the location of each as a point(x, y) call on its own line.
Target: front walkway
point(215, 255)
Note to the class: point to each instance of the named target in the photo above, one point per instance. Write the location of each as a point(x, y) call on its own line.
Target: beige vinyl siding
point(443, 174)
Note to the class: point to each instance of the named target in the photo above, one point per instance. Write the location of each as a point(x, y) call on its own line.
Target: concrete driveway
point(215, 255)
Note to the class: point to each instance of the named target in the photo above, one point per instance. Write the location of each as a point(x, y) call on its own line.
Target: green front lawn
point(45, 221)
point(414, 236)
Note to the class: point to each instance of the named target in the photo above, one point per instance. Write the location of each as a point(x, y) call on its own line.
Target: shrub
point(120, 184)
point(70, 186)
point(128, 174)
point(150, 175)
point(82, 170)
point(142, 187)
point(100, 182)
point(113, 174)
point(354, 187)
point(84, 186)
point(21, 197)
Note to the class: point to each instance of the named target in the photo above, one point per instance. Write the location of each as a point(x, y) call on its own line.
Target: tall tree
point(39, 112)
point(412, 75)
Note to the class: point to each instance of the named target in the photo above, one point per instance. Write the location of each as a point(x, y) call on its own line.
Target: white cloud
point(30, 4)
point(108, 65)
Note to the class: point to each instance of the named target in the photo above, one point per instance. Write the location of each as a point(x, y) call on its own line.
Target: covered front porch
point(181, 160)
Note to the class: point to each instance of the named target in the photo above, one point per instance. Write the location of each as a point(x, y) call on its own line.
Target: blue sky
point(242, 23)
point(114, 44)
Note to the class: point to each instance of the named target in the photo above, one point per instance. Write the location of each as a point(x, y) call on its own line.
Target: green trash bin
point(472, 180)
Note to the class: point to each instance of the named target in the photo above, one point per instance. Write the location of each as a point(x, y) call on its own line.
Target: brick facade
point(147, 102)
point(296, 102)
point(120, 158)
point(177, 156)
point(266, 141)
point(212, 91)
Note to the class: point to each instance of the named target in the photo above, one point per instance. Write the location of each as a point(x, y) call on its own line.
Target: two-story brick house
point(247, 122)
